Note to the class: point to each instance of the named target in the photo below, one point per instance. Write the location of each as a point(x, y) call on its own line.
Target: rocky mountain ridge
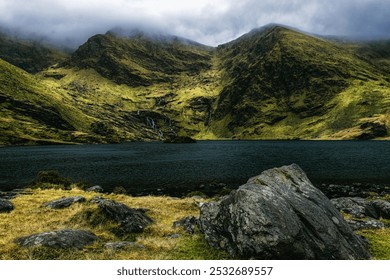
point(271, 83)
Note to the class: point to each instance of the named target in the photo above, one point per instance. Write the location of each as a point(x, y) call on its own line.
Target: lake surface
point(146, 167)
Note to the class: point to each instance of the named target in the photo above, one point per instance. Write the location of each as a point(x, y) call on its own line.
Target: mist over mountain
point(274, 82)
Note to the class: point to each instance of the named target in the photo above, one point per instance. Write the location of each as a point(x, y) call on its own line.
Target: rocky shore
point(278, 214)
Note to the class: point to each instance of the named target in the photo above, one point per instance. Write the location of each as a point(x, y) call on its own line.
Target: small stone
point(96, 188)
point(187, 223)
point(66, 238)
point(123, 244)
point(6, 206)
point(64, 202)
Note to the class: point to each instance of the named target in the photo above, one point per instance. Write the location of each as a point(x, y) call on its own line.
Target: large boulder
point(131, 220)
point(6, 206)
point(280, 215)
point(64, 202)
point(64, 239)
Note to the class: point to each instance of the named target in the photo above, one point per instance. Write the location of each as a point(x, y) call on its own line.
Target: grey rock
point(382, 207)
point(365, 224)
point(174, 236)
point(188, 224)
point(123, 244)
point(6, 206)
point(131, 220)
point(356, 206)
point(280, 215)
point(15, 192)
point(64, 202)
point(97, 189)
point(66, 238)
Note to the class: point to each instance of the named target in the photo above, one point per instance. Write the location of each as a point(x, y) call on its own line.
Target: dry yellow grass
point(30, 217)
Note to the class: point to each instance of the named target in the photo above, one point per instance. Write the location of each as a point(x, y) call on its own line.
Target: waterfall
point(150, 123)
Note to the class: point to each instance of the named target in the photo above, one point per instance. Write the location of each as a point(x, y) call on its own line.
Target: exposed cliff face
point(272, 83)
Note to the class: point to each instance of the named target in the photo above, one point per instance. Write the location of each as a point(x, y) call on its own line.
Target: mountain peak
point(150, 35)
point(270, 26)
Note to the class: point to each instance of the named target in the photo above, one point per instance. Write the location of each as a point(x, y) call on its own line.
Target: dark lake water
point(150, 166)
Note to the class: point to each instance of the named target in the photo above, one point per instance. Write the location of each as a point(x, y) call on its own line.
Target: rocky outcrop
point(280, 215)
point(362, 208)
point(64, 202)
point(355, 206)
point(6, 206)
point(131, 220)
point(63, 239)
point(369, 223)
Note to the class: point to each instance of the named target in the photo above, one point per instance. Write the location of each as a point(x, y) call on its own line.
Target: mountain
point(140, 59)
point(274, 82)
point(28, 114)
point(29, 55)
point(280, 83)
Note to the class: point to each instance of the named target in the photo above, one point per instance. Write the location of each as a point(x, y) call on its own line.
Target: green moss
point(379, 242)
point(195, 247)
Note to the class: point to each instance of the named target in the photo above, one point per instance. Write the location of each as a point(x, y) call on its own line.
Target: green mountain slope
point(284, 84)
point(139, 59)
point(272, 83)
point(27, 113)
point(29, 55)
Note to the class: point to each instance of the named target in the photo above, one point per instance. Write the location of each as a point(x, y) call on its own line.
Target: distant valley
point(272, 83)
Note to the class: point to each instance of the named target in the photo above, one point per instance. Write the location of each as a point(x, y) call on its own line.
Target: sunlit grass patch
point(379, 241)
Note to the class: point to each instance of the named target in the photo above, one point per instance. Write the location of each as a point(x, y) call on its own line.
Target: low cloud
point(208, 22)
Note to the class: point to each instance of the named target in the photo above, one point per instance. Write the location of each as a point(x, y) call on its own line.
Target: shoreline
point(362, 190)
point(60, 143)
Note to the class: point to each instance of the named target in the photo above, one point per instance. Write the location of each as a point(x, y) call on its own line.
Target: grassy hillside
point(279, 83)
point(272, 83)
point(29, 55)
point(27, 112)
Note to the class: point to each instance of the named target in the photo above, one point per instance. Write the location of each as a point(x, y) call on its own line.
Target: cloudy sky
point(206, 21)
